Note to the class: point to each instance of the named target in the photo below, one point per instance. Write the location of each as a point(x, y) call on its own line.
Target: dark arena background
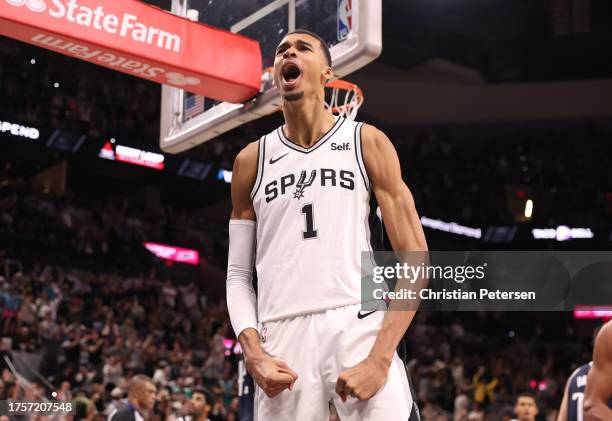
point(501, 113)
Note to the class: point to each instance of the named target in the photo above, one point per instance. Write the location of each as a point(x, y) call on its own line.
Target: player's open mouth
point(291, 73)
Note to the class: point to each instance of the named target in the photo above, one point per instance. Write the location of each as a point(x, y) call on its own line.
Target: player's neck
point(201, 417)
point(306, 121)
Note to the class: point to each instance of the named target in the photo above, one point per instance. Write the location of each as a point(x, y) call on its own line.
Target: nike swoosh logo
point(361, 315)
point(272, 160)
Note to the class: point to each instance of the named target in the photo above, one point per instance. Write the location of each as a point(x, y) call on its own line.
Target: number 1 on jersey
point(579, 397)
point(310, 232)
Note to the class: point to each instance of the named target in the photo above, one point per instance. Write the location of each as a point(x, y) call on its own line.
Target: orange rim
point(344, 85)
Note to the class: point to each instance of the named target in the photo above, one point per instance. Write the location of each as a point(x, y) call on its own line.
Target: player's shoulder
point(606, 332)
point(604, 339)
point(248, 154)
point(583, 369)
point(375, 144)
point(370, 133)
point(245, 164)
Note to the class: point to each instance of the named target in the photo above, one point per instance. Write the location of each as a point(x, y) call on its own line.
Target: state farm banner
point(140, 40)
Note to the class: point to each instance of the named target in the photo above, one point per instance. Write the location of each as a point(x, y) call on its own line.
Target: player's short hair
point(210, 398)
point(324, 46)
point(527, 394)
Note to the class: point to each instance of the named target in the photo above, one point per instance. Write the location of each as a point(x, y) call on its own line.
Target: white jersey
point(312, 207)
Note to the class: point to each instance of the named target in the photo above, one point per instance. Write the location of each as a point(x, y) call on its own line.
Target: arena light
point(173, 253)
point(528, 208)
point(19, 130)
point(114, 152)
point(562, 233)
point(593, 312)
point(224, 175)
point(451, 227)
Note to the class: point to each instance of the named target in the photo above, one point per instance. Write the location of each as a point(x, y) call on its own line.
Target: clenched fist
point(363, 380)
point(272, 375)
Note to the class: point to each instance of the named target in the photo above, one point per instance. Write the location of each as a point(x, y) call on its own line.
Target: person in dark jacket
point(140, 400)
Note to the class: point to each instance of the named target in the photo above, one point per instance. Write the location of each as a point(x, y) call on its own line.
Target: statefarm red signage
point(140, 40)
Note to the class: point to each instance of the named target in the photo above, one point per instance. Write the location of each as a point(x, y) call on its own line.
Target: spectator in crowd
point(200, 404)
point(484, 387)
point(141, 399)
point(526, 408)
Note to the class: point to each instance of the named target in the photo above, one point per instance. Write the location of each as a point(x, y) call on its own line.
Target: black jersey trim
point(317, 144)
point(359, 155)
point(261, 159)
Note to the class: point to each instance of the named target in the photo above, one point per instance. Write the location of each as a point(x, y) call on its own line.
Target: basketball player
point(526, 407)
point(572, 404)
point(598, 391)
point(573, 397)
point(301, 198)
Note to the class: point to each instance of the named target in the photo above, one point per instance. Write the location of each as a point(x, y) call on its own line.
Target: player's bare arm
point(406, 234)
point(244, 173)
point(598, 391)
point(272, 375)
point(562, 415)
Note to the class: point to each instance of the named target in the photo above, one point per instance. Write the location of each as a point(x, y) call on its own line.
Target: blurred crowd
point(99, 232)
point(45, 89)
point(94, 331)
point(87, 307)
point(473, 178)
point(473, 366)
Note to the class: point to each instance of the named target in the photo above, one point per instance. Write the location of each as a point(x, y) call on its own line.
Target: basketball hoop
point(345, 100)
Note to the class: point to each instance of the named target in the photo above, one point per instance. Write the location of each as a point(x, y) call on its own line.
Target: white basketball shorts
point(319, 347)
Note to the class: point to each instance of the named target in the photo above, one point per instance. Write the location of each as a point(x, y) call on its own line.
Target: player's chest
point(304, 180)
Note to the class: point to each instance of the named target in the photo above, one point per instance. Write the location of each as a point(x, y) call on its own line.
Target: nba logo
point(345, 19)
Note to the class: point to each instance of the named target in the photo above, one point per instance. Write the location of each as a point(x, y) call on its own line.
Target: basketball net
point(345, 98)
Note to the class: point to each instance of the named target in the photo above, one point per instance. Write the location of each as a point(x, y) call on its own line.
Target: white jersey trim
point(317, 144)
point(359, 156)
point(261, 159)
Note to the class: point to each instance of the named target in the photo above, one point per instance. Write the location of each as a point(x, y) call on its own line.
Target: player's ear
point(328, 73)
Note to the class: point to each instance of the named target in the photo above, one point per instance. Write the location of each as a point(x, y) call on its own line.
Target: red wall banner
point(141, 40)
point(176, 254)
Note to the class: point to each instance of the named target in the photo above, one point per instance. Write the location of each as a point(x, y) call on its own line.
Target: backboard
point(351, 28)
